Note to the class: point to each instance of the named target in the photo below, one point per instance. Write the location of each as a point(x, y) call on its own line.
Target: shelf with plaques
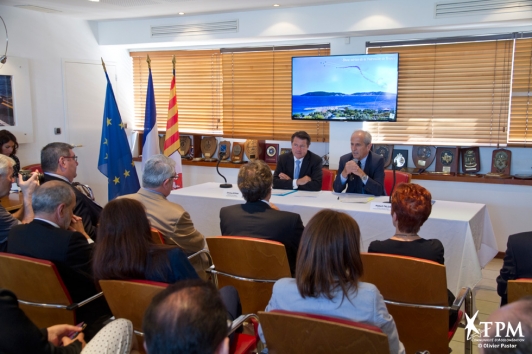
point(472, 179)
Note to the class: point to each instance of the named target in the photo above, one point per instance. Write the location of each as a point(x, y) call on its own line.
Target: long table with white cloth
point(464, 229)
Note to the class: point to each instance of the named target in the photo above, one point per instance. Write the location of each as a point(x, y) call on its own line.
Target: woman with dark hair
point(125, 249)
point(328, 270)
point(411, 207)
point(8, 147)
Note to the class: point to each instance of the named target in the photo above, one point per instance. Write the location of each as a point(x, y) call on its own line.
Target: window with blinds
point(198, 89)
point(521, 85)
point(450, 94)
point(238, 93)
point(257, 93)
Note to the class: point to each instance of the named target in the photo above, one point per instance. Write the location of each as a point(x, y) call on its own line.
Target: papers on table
point(282, 192)
point(354, 197)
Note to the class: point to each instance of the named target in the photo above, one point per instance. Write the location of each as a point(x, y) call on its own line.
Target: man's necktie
point(296, 173)
point(362, 183)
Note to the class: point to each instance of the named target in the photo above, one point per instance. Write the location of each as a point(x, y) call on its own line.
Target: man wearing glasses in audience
point(59, 163)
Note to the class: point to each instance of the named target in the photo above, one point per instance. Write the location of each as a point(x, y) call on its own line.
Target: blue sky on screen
point(345, 73)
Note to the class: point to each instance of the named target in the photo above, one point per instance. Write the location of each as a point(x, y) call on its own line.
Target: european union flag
point(115, 160)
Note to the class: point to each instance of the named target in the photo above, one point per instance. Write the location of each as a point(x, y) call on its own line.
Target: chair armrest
point(206, 251)
point(460, 298)
point(84, 302)
point(240, 320)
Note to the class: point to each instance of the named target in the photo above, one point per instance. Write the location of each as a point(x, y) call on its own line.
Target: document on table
point(306, 194)
point(354, 197)
point(282, 192)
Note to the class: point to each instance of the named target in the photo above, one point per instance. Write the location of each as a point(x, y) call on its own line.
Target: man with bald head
point(361, 171)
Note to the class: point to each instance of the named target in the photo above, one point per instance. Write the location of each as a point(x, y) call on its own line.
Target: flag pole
point(103, 64)
point(148, 60)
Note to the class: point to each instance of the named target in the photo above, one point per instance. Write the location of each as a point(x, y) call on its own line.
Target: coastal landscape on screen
point(345, 87)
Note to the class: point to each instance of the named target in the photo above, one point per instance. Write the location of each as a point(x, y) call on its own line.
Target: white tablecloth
point(464, 228)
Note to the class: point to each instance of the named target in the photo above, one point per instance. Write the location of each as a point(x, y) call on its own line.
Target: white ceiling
point(121, 9)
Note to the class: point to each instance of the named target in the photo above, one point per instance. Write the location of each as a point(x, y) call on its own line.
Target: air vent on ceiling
point(37, 8)
point(195, 29)
point(473, 7)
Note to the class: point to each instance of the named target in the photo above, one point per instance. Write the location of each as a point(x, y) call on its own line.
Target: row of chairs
point(414, 290)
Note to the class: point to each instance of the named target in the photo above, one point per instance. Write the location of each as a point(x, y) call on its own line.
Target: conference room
point(59, 90)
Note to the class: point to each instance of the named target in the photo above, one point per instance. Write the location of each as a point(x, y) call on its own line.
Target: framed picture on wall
point(7, 113)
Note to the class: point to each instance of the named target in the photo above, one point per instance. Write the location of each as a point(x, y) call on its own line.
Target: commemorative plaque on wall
point(224, 152)
point(254, 149)
point(272, 153)
point(400, 157)
point(501, 161)
point(470, 160)
point(184, 145)
point(238, 151)
point(208, 148)
point(423, 156)
point(385, 151)
point(195, 150)
point(447, 160)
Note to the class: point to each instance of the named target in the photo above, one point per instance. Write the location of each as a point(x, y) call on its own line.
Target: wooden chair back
point(157, 236)
point(293, 332)
point(412, 281)
point(519, 288)
point(327, 180)
point(37, 281)
point(400, 177)
point(130, 298)
point(253, 259)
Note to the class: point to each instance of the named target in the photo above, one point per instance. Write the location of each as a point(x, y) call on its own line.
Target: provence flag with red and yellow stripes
point(171, 142)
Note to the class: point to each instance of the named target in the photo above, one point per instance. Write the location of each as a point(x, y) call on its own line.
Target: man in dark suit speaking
point(361, 170)
point(299, 169)
point(258, 217)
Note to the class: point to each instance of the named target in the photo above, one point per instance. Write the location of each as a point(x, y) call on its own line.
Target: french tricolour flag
point(151, 138)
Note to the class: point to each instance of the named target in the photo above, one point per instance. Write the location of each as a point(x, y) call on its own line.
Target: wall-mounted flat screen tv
point(345, 87)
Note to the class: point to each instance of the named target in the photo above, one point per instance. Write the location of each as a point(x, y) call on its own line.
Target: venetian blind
point(519, 134)
point(257, 93)
point(198, 88)
point(450, 94)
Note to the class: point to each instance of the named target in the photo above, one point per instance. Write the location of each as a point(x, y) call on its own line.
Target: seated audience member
point(20, 335)
point(24, 214)
point(300, 168)
point(8, 147)
point(125, 249)
point(258, 217)
point(170, 218)
point(411, 207)
point(56, 235)
point(59, 163)
point(517, 315)
point(327, 278)
point(187, 317)
point(517, 262)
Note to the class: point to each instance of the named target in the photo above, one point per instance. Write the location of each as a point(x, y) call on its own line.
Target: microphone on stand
point(351, 176)
point(222, 185)
point(394, 168)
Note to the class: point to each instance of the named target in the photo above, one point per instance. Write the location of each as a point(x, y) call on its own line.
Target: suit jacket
point(258, 219)
point(85, 208)
point(517, 262)
point(174, 223)
point(20, 335)
point(374, 168)
point(69, 250)
point(310, 166)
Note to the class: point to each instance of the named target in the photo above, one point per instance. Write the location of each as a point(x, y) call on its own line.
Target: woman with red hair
point(411, 207)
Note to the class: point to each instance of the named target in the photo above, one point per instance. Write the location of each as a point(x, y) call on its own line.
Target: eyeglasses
point(175, 177)
point(71, 157)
